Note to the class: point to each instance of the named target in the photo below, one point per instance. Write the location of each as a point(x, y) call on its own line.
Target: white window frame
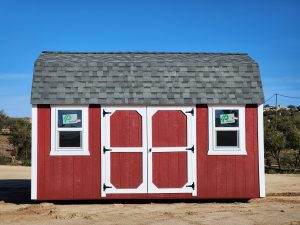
point(67, 151)
point(213, 149)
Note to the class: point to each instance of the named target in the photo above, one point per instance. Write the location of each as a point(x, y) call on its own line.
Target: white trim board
point(34, 152)
point(261, 157)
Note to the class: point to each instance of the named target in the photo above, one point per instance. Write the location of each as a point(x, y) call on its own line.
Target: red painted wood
point(87, 168)
point(126, 129)
point(169, 129)
point(202, 147)
point(126, 169)
point(230, 173)
point(42, 121)
point(169, 169)
point(251, 165)
point(227, 176)
point(221, 176)
point(55, 174)
point(68, 177)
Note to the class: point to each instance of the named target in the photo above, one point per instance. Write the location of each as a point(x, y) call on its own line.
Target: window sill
point(227, 152)
point(69, 153)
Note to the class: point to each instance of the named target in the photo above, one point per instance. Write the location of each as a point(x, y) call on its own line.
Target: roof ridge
point(145, 52)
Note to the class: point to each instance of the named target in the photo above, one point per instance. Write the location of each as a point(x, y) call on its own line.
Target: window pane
point(227, 139)
point(226, 118)
point(69, 118)
point(70, 139)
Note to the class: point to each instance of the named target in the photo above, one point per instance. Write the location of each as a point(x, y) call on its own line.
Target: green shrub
point(5, 160)
point(26, 163)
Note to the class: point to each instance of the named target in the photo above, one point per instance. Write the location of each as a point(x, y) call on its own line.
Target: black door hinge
point(191, 149)
point(105, 187)
point(104, 113)
point(106, 149)
point(150, 149)
point(191, 112)
point(192, 186)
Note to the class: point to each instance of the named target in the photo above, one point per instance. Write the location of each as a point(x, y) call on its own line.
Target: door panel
point(126, 129)
point(171, 155)
point(169, 169)
point(169, 128)
point(124, 145)
point(126, 169)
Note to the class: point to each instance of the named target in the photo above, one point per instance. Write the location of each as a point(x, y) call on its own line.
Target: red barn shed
point(136, 125)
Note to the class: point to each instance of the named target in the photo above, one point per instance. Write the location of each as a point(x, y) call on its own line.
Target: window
point(227, 130)
point(69, 130)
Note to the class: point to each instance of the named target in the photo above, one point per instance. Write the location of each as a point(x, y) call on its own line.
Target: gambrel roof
point(152, 78)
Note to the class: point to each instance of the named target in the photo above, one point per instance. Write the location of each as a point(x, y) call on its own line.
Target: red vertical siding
point(227, 176)
point(68, 177)
point(169, 129)
point(43, 130)
point(126, 131)
point(126, 169)
point(78, 177)
point(169, 169)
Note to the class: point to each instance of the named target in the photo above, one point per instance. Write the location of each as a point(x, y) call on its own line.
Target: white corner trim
point(34, 152)
point(84, 151)
point(261, 157)
point(212, 150)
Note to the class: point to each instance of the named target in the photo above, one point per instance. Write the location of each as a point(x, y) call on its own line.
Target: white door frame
point(191, 155)
point(105, 157)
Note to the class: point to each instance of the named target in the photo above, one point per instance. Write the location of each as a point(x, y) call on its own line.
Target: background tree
point(275, 142)
point(282, 139)
point(3, 120)
point(293, 143)
point(20, 138)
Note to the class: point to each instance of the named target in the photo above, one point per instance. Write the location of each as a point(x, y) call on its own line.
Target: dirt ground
point(282, 206)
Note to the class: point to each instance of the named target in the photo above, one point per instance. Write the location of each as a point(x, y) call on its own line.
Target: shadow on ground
point(18, 192)
point(15, 191)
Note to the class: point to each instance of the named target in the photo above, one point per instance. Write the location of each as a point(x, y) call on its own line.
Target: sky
point(269, 31)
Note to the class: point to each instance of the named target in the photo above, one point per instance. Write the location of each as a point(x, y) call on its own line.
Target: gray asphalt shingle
point(145, 78)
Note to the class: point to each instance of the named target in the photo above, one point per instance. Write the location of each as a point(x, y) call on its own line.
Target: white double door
point(148, 150)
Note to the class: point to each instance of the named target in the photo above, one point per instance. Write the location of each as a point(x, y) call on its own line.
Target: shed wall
point(78, 177)
point(227, 176)
point(68, 177)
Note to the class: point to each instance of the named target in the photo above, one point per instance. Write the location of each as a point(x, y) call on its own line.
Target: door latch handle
point(150, 149)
